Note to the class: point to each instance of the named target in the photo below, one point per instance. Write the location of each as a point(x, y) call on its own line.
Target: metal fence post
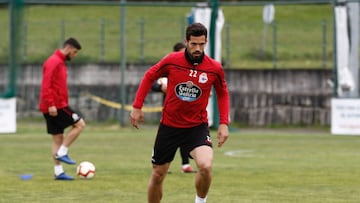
point(274, 44)
point(323, 24)
point(123, 60)
point(227, 44)
point(141, 40)
point(183, 22)
point(15, 15)
point(335, 78)
point(212, 34)
point(102, 40)
point(62, 32)
point(24, 41)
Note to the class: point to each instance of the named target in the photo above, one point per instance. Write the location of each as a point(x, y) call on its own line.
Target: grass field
point(299, 42)
point(254, 166)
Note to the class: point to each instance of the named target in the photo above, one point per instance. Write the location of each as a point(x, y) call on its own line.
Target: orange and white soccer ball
point(86, 170)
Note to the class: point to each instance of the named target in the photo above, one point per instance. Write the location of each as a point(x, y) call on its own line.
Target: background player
point(55, 108)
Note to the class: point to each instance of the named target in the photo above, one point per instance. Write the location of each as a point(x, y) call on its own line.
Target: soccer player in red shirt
point(55, 108)
point(184, 123)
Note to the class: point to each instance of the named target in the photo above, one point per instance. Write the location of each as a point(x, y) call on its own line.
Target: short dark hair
point(72, 42)
point(196, 29)
point(178, 46)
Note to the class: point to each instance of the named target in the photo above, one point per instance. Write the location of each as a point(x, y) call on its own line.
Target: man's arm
point(222, 134)
point(144, 87)
point(135, 116)
point(152, 74)
point(223, 99)
point(47, 88)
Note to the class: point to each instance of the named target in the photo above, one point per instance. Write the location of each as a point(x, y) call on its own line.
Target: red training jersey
point(188, 90)
point(54, 91)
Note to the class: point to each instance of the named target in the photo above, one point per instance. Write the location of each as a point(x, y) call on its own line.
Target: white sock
point(200, 200)
point(58, 169)
point(62, 151)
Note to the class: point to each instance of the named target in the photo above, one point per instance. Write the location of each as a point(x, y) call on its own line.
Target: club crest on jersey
point(187, 91)
point(203, 78)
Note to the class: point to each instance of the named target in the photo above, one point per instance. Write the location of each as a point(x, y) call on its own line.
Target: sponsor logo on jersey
point(187, 91)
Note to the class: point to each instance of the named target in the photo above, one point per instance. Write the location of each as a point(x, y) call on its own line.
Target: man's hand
point(135, 116)
point(222, 134)
point(53, 111)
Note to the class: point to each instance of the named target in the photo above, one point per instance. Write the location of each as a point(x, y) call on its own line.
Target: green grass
point(299, 34)
point(266, 166)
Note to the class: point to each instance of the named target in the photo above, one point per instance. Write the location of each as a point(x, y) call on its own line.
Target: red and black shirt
point(188, 91)
point(54, 91)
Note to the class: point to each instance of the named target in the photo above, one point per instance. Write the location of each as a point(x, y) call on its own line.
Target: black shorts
point(65, 118)
point(168, 139)
point(156, 87)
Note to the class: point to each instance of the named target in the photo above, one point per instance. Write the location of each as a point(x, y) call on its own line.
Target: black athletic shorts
point(168, 139)
point(65, 118)
point(156, 87)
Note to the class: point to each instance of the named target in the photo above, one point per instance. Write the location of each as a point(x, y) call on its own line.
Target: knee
point(81, 124)
point(157, 177)
point(205, 168)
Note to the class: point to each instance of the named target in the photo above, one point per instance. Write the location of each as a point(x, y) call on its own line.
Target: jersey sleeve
point(152, 74)
point(48, 90)
point(223, 98)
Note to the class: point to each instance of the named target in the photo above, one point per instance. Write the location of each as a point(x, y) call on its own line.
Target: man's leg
point(185, 163)
point(57, 142)
point(72, 135)
point(184, 156)
point(156, 181)
point(58, 168)
point(203, 157)
point(74, 132)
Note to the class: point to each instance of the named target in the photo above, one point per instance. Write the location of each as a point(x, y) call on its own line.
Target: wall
point(280, 97)
point(258, 97)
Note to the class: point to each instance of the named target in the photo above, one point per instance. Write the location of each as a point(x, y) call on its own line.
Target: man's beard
point(68, 58)
point(195, 60)
point(197, 56)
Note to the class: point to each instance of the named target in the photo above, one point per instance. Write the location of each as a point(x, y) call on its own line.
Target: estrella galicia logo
point(187, 91)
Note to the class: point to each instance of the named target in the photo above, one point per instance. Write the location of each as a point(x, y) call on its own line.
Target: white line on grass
point(239, 153)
